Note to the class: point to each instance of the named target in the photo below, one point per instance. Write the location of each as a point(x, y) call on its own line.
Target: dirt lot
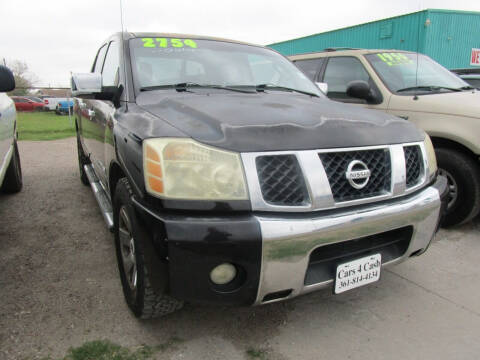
point(59, 288)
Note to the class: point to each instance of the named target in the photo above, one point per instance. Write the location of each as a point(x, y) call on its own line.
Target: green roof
point(375, 21)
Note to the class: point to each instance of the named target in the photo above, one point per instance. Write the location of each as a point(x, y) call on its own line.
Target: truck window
point(97, 67)
point(264, 70)
point(400, 71)
point(153, 71)
point(473, 82)
point(339, 72)
point(110, 68)
point(166, 61)
point(310, 67)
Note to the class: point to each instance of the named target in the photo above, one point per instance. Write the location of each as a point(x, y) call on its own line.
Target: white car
point(51, 103)
point(10, 169)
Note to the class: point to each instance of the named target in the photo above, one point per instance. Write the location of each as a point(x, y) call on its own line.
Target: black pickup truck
point(228, 177)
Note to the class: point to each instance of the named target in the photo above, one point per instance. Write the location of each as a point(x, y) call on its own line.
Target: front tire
point(463, 175)
point(141, 297)
point(12, 183)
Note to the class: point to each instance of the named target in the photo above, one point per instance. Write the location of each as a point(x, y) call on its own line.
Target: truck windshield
point(163, 62)
point(399, 73)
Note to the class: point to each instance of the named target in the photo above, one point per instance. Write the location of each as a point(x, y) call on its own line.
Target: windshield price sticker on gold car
point(393, 59)
point(168, 42)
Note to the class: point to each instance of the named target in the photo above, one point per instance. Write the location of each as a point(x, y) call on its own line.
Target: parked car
point(429, 95)
point(227, 177)
point(51, 103)
point(64, 107)
point(25, 104)
point(10, 168)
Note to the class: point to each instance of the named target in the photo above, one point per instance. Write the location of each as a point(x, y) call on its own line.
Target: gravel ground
point(59, 287)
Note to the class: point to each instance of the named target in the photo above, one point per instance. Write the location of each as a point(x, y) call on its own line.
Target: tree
point(24, 79)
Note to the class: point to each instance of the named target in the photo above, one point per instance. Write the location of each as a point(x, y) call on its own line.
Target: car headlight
point(431, 158)
point(185, 169)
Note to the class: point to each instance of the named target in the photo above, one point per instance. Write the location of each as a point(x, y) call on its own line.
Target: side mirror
point(323, 87)
point(7, 81)
point(360, 89)
point(89, 85)
point(86, 84)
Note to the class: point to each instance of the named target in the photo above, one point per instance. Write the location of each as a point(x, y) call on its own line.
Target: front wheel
point(12, 182)
point(142, 299)
point(463, 175)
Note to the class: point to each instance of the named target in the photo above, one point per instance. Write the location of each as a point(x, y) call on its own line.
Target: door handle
point(91, 113)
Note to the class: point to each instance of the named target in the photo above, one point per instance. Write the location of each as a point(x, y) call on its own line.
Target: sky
point(56, 37)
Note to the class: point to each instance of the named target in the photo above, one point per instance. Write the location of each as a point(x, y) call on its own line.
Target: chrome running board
point(101, 196)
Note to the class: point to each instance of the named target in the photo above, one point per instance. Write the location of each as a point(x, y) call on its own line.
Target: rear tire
point(82, 161)
point(12, 183)
point(142, 299)
point(463, 175)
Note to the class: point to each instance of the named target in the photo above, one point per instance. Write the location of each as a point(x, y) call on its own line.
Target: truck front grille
point(377, 161)
point(413, 164)
point(281, 180)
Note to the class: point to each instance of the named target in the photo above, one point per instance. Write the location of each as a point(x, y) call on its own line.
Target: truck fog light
point(223, 274)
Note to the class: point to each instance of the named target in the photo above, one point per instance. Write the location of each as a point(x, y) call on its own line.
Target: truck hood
point(271, 121)
point(465, 103)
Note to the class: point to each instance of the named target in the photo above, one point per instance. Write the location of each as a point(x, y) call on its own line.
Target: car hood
point(270, 121)
point(465, 103)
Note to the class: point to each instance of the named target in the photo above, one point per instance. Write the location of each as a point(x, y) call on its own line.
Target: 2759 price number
point(168, 42)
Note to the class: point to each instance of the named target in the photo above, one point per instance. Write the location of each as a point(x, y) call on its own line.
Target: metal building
point(450, 37)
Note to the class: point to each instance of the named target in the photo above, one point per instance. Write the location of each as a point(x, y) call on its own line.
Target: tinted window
point(473, 82)
point(309, 67)
point(340, 71)
point(99, 60)
point(110, 68)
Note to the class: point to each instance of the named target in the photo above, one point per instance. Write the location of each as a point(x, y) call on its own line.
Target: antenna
point(418, 48)
point(123, 50)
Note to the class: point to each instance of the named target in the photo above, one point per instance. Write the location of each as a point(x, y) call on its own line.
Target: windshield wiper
point(428, 88)
point(262, 87)
point(179, 87)
point(185, 85)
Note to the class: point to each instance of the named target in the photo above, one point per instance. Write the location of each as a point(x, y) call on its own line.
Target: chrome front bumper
point(288, 242)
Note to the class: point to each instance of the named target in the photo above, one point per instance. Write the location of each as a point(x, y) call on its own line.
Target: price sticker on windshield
point(168, 43)
point(393, 59)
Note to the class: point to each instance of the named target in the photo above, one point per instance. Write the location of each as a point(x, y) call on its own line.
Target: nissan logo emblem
point(357, 174)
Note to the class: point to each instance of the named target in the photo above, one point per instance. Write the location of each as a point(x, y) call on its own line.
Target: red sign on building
point(475, 59)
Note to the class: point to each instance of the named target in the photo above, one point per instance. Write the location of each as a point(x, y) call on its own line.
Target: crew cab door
point(97, 114)
point(339, 72)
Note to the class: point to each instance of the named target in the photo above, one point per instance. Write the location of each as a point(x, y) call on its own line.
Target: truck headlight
point(431, 158)
point(185, 169)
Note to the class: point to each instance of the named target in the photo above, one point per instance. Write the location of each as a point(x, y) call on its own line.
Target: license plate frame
point(357, 273)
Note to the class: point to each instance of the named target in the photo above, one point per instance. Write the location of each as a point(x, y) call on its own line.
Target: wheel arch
point(115, 173)
point(441, 142)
